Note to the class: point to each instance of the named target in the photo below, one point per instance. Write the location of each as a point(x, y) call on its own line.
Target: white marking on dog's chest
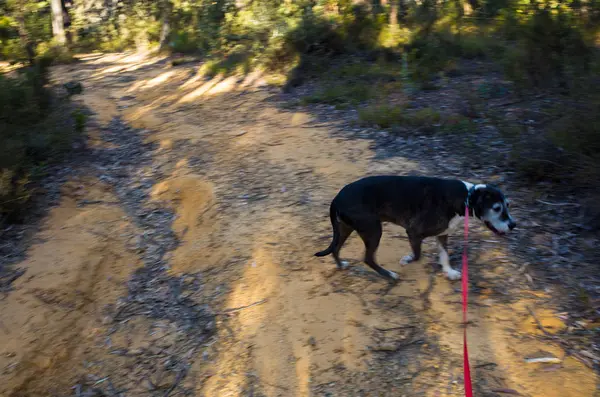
point(453, 224)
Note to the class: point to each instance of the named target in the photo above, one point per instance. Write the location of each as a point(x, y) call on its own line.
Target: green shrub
point(550, 52)
point(383, 116)
point(342, 93)
point(567, 151)
point(426, 120)
point(426, 117)
point(184, 43)
point(386, 116)
point(428, 55)
point(237, 61)
point(579, 131)
point(33, 132)
point(51, 54)
point(24, 97)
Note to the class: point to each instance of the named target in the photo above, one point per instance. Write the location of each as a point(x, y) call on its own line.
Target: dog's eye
point(497, 208)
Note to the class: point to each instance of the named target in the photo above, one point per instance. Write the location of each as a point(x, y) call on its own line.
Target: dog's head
point(490, 205)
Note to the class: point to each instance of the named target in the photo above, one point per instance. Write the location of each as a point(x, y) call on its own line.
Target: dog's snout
point(512, 224)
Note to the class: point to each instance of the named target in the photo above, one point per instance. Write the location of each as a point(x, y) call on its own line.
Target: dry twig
point(237, 309)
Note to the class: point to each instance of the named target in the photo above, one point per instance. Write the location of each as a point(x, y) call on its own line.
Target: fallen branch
point(237, 309)
point(559, 204)
point(398, 346)
point(180, 375)
point(395, 328)
point(545, 360)
point(507, 391)
point(538, 322)
point(486, 365)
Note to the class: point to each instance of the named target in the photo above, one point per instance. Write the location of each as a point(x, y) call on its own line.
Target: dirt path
point(249, 185)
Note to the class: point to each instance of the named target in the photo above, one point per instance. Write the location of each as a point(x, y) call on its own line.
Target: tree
point(58, 22)
point(165, 28)
point(24, 36)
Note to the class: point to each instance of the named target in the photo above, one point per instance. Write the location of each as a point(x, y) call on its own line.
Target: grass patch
point(383, 116)
point(237, 61)
point(425, 120)
point(578, 132)
point(352, 82)
point(353, 94)
point(457, 124)
point(366, 71)
point(184, 60)
point(566, 151)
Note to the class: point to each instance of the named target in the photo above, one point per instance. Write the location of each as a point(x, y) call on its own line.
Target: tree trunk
point(165, 29)
point(24, 37)
point(394, 14)
point(58, 24)
point(67, 20)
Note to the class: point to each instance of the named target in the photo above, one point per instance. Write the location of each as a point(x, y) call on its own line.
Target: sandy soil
point(250, 183)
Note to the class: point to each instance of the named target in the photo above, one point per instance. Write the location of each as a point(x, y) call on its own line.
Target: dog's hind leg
point(370, 232)
point(344, 232)
point(452, 274)
point(415, 245)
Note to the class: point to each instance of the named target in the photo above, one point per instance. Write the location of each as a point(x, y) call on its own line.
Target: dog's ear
point(478, 199)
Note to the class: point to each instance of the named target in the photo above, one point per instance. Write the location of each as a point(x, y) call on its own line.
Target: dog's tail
point(336, 233)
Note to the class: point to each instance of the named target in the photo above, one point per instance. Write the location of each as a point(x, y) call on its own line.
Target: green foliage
point(567, 151)
point(579, 131)
point(383, 116)
point(52, 53)
point(427, 120)
point(339, 94)
point(80, 119)
point(33, 133)
point(24, 97)
point(237, 61)
point(550, 52)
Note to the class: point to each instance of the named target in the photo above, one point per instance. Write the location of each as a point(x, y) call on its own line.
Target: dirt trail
point(250, 185)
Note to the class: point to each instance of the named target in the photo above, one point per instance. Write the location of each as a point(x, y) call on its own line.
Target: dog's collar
point(469, 194)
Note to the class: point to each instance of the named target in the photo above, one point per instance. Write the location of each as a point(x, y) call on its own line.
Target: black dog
point(424, 206)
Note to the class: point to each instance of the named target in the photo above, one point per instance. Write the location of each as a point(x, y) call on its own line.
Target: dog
point(423, 206)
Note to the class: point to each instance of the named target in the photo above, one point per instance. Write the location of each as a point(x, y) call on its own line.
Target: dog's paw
point(344, 265)
point(407, 259)
point(453, 274)
point(393, 276)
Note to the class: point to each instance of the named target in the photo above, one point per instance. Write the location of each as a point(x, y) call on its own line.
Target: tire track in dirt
point(57, 306)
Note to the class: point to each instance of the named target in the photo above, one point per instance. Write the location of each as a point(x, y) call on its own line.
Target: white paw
point(407, 259)
point(453, 274)
point(344, 264)
point(393, 275)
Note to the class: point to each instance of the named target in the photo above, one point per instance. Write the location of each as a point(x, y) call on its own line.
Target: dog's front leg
point(452, 274)
point(415, 244)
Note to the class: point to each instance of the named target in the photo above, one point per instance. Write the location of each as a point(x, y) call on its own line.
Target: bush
point(550, 53)
point(568, 151)
point(425, 119)
point(52, 54)
point(342, 93)
point(383, 116)
point(237, 61)
point(579, 131)
point(24, 98)
point(33, 133)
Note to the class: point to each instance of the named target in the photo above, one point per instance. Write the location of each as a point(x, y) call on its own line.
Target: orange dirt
point(307, 319)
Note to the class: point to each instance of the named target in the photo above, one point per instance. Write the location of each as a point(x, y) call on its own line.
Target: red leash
point(465, 303)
